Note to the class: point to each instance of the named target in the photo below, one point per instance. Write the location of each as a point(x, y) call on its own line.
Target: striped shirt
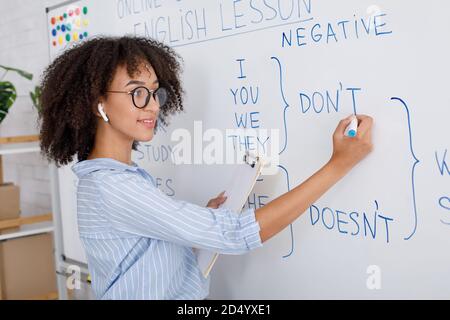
point(139, 241)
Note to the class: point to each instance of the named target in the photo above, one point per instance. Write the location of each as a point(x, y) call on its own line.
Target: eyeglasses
point(141, 96)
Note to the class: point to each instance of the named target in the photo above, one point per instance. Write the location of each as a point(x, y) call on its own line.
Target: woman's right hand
point(349, 151)
point(276, 215)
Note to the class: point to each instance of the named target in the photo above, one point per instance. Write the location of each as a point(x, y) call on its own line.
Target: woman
point(99, 99)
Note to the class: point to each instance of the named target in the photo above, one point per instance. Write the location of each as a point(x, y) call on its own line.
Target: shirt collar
point(85, 167)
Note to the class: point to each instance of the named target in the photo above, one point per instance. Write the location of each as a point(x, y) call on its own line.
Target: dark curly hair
point(81, 75)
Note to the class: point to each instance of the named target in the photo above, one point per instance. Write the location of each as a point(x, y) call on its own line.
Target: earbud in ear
point(100, 109)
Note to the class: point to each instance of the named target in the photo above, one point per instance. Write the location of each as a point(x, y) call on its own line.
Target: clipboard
point(237, 192)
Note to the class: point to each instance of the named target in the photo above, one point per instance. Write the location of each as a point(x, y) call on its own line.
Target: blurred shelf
point(28, 230)
point(28, 225)
point(16, 148)
point(13, 223)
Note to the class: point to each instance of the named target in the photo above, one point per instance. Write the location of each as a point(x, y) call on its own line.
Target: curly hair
point(81, 75)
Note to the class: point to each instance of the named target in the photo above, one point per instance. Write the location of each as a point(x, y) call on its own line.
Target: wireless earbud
point(100, 109)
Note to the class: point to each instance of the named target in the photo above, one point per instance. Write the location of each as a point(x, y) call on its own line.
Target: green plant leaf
point(24, 74)
point(8, 95)
point(35, 96)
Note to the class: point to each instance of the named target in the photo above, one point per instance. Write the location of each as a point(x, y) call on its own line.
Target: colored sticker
point(71, 30)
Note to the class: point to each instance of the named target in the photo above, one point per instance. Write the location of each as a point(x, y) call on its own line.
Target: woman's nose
point(153, 104)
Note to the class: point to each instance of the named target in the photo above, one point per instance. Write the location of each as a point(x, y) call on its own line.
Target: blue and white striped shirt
point(138, 241)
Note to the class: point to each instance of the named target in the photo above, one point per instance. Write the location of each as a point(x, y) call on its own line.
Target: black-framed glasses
point(141, 96)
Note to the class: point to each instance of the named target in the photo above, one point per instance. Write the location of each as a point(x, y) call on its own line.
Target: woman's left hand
point(216, 202)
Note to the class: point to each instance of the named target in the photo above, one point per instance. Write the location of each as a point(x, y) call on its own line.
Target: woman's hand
point(347, 151)
point(217, 201)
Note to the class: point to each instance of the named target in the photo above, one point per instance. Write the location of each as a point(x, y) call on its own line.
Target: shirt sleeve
point(134, 205)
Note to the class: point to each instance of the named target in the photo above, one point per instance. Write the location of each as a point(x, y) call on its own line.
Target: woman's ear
point(102, 112)
point(95, 109)
point(99, 111)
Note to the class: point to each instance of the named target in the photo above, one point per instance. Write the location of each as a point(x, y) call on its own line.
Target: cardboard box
point(9, 204)
point(9, 201)
point(27, 267)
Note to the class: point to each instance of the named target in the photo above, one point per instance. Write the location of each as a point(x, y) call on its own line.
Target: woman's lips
point(150, 124)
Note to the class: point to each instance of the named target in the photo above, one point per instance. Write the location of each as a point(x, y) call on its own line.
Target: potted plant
point(8, 92)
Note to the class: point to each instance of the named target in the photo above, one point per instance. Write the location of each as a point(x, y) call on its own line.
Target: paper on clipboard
point(237, 192)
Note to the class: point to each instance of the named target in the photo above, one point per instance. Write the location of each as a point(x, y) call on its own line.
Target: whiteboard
point(299, 67)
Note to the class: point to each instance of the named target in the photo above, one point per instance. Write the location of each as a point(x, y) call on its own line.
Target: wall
point(23, 44)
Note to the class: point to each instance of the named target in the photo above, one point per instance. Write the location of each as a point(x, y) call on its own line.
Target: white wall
point(23, 44)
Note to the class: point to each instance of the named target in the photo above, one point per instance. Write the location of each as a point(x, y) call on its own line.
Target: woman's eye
point(138, 92)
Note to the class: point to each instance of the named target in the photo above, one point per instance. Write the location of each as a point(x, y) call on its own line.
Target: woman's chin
point(147, 137)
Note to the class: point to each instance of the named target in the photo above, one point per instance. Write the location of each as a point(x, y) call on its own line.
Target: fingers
point(365, 125)
point(217, 201)
point(340, 130)
point(222, 197)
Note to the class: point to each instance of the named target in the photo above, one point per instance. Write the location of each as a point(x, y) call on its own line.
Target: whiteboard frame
point(61, 262)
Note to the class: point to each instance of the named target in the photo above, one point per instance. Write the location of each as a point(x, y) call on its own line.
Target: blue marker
point(352, 128)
